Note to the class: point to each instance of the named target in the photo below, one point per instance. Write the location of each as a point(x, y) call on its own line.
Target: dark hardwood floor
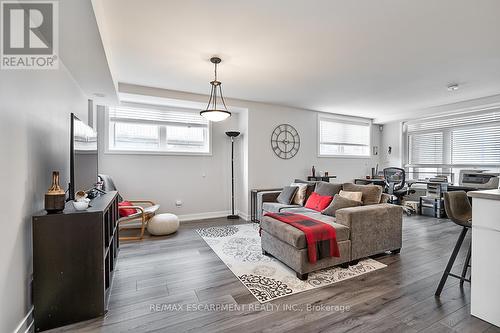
point(157, 279)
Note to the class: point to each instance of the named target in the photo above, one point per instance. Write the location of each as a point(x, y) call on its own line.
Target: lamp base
point(233, 217)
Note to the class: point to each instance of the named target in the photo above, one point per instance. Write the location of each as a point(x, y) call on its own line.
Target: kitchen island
point(485, 273)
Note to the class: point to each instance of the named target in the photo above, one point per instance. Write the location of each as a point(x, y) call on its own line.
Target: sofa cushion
point(298, 210)
point(339, 202)
point(276, 207)
point(324, 188)
point(355, 196)
point(287, 194)
point(300, 196)
point(294, 236)
point(371, 193)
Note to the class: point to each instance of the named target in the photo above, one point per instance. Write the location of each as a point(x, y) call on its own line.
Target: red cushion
point(318, 202)
point(126, 211)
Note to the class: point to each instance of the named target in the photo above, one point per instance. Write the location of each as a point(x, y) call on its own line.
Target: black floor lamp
point(232, 135)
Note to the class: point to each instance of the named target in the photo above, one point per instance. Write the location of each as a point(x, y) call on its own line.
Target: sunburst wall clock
point(285, 141)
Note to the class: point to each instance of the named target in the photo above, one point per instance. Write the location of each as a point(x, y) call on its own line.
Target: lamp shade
point(215, 115)
point(216, 111)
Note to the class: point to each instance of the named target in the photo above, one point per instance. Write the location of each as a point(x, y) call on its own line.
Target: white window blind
point(467, 139)
point(426, 148)
point(152, 130)
point(338, 137)
point(480, 145)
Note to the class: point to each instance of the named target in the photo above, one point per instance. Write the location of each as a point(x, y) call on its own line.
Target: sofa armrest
point(268, 196)
point(373, 229)
point(265, 196)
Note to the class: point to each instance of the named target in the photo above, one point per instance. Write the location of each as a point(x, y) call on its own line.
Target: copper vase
point(55, 198)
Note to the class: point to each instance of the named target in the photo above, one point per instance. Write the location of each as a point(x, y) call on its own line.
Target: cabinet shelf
point(74, 258)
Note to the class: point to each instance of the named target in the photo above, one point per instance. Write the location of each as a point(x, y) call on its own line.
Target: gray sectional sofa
point(373, 228)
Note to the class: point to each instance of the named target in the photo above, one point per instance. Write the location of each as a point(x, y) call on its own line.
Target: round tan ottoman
point(163, 224)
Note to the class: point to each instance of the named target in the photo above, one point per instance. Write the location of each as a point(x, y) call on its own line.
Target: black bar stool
point(459, 210)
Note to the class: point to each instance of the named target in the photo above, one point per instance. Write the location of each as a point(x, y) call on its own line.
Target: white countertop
point(485, 194)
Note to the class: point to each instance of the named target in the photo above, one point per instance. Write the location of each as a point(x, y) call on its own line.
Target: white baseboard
point(194, 217)
point(244, 216)
point(203, 216)
point(26, 323)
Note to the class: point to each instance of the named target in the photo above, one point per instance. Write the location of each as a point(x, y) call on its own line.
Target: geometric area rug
point(238, 246)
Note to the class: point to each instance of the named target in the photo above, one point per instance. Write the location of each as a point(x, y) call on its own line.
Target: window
point(343, 137)
point(160, 131)
point(445, 145)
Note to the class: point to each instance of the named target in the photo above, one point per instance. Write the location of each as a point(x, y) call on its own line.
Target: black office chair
point(395, 186)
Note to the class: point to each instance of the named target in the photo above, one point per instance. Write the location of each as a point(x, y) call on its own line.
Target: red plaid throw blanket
point(321, 237)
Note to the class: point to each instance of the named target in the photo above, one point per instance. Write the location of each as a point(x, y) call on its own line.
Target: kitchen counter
point(485, 194)
point(485, 270)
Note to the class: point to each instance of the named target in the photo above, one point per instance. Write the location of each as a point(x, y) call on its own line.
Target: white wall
point(168, 178)
point(35, 109)
point(267, 170)
point(391, 136)
point(202, 183)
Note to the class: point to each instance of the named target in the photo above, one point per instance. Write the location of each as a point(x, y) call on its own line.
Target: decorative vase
point(55, 198)
point(313, 170)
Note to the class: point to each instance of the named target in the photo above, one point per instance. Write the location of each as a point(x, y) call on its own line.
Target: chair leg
point(449, 266)
point(144, 222)
point(143, 225)
point(466, 266)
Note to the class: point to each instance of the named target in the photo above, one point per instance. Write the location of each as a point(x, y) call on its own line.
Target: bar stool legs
point(466, 266)
point(449, 266)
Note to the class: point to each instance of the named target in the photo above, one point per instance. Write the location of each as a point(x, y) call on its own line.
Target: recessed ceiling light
point(453, 87)
point(99, 95)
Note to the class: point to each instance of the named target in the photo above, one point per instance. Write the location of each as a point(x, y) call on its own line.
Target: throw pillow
point(300, 196)
point(356, 196)
point(310, 187)
point(385, 198)
point(318, 202)
point(371, 193)
point(324, 188)
point(287, 194)
point(339, 202)
point(126, 211)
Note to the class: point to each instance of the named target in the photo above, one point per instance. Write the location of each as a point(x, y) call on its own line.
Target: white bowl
point(80, 205)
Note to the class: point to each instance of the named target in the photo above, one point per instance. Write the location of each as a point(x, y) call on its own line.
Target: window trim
point(348, 120)
point(110, 151)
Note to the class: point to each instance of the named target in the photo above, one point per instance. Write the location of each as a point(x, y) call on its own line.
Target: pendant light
point(216, 111)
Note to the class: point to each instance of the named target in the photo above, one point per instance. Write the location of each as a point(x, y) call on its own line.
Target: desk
point(320, 178)
point(409, 182)
point(485, 274)
point(374, 181)
point(450, 187)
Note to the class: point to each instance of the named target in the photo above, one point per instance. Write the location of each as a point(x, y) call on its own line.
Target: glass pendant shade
point(216, 111)
point(215, 115)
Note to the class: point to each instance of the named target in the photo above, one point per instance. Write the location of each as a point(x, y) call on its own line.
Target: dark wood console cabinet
point(74, 257)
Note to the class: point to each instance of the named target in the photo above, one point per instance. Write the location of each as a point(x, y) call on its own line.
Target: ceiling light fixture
point(215, 112)
point(453, 87)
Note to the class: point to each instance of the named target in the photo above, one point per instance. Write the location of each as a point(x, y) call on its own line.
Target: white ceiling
point(381, 59)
